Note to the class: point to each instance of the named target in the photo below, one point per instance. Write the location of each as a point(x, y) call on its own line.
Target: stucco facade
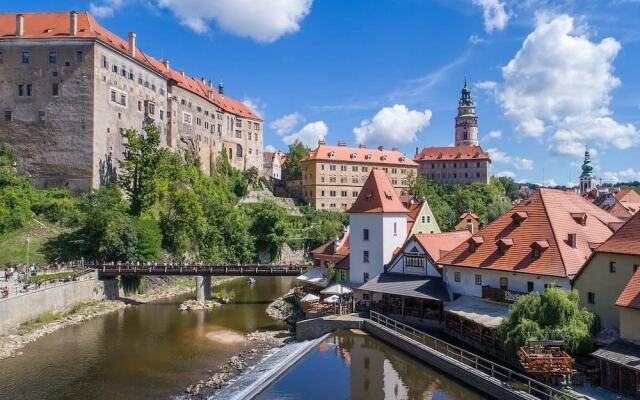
point(630, 323)
point(605, 283)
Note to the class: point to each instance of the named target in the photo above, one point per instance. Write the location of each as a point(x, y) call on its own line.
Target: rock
point(281, 310)
point(199, 305)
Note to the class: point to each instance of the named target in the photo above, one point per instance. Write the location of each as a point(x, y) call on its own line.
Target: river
point(153, 351)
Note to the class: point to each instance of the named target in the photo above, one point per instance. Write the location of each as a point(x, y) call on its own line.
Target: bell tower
point(587, 180)
point(466, 120)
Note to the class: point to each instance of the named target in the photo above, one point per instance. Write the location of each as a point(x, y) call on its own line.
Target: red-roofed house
point(468, 221)
point(609, 270)
point(629, 303)
point(272, 164)
point(332, 176)
point(543, 241)
point(71, 87)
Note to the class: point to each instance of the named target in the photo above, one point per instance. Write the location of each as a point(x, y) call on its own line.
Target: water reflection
point(145, 352)
point(356, 366)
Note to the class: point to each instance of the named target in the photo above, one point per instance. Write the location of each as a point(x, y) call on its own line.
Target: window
point(79, 56)
point(354, 168)
point(504, 283)
point(413, 260)
point(20, 90)
point(42, 116)
point(53, 57)
point(365, 276)
point(612, 266)
point(239, 134)
point(105, 64)
point(55, 89)
point(238, 150)
point(529, 287)
point(478, 280)
point(332, 167)
point(365, 256)
point(365, 234)
point(456, 276)
point(536, 252)
point(395, 229)
point(591, 298)
point(423, 219)
point(67, 63)
point(365, 169)
point(188, 119)
point(25, 90)
point(428, 219)
point(8, 115)
point(140, 105)
point(332, 193)
point(343, 193)
point(26, 57)
point(343, 168)
point(114, 68)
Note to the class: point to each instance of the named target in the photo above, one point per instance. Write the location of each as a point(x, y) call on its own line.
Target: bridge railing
point(153, 268)
point(507, 376)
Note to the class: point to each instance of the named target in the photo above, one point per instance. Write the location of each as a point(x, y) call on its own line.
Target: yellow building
point(332, 176)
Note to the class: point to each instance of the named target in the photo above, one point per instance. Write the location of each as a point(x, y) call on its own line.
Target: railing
point(500, 294)
point(198, 269)
point(505, 375)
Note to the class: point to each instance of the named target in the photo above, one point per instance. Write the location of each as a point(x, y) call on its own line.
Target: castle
point(70, 87)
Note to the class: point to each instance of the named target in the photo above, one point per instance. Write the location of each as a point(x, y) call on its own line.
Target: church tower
point(466, 120)
point(587, 180)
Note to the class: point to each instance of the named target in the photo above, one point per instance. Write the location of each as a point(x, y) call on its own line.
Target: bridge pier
point(203, 287)
point(110, 288)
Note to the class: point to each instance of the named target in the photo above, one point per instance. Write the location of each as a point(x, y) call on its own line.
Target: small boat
point(252, 281)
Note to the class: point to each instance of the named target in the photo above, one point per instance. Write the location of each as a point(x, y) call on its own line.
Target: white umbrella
point(337, 289)
point(309, 298)
point(314, 276)
point(332, 299)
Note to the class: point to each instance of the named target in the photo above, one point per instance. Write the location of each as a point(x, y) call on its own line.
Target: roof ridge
point(553, 231)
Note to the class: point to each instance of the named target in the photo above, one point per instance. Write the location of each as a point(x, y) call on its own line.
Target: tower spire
point(466, 120)
point(586, 178)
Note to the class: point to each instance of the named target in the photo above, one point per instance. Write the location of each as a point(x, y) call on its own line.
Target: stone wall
point(23, 307)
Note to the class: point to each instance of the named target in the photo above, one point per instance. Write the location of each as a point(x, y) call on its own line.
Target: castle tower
point(587, 180)
point(466, 120)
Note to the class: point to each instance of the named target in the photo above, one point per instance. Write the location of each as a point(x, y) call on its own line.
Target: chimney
point(182, 73)
point(573, 240)
point(342, 144)
point(221, 89)
point(394, 148)
point(362, 146)
point(381, 148)
point(73, 23)
point(166, 63)
point(416, 151)
point(321, 141)
point(132, 44)
point(19, 25)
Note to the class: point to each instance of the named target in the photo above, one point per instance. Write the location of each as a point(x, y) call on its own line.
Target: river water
point(154, 351)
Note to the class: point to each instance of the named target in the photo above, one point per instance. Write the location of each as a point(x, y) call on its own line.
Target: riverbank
point(157, 288)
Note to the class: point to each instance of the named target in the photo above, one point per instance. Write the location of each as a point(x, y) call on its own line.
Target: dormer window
point(354, 156)
point(332, 154)
point(518, 217)
point(538, 247)
point(383, 157)
point(579, 217)
point(402, 158)
point(367, 157)
point(503, 245)
point(474, 242)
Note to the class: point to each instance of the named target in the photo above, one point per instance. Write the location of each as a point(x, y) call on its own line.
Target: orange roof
point(468, 214)
point(549, 218)
point(630, 296)
point(56, 25)
point(359, 155)
point(452, 153)
point(414, 210)
point(439, 244)
point(329, 248)
point(628, 195)
point(378, 196)
point(625, 240)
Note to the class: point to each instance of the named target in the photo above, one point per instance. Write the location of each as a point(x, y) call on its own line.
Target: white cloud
point(503, 158)
point(475, 39)
point(508, 174)
point(559, 83)
point(392, 126)
point(264, 21)
point(286, 123)
point(494, 134)
point(256, 105)
point(270, 148)
point(494, 13)
point(309, 134)
point(106, 8)
point(549, 182)
point(626, 175)
point(486, 85)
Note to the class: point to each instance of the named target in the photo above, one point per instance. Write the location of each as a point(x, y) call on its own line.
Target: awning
point(483, 312)
point(337, 288)
point(622, 353)
point(309, 298)
point(430, 288)
point(314, 276)
point(332, 299)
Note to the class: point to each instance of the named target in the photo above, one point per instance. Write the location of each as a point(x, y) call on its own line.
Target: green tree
point(297, 152)
point(269, 226)
point(149, 239)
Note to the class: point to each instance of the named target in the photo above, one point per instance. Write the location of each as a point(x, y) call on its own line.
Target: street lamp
point(28, 243)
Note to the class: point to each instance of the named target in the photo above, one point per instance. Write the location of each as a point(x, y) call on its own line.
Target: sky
point(548, 77)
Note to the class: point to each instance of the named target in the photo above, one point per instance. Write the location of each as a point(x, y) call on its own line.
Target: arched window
point(238, 150)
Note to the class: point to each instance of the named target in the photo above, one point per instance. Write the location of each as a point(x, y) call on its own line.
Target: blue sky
point(548, 77)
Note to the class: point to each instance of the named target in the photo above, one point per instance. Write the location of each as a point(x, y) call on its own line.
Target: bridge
point(109, 272)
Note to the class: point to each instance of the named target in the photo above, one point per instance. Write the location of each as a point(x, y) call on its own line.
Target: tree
point(552, 315)
point(149, 239)
point(142, 154)
point(269, 226)
point(297, 151)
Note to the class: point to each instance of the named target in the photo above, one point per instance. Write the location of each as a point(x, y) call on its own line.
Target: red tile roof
point(549, 218)
point(468, 214)
point(452, 153)
point(628, 195)
point(414, 210)
point(626, 240)
point(378, 196)
point(329, 248)
point(439, 244)
point(56, 25)
point(359, 155)
point(630, 296)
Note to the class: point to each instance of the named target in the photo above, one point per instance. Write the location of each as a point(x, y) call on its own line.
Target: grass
point(13, 245)
point(53, 277)
point(51, 316)
point(290, 302)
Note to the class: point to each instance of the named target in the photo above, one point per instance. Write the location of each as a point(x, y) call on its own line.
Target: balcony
point(501, 295)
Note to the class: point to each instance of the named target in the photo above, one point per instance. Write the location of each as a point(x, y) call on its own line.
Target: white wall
point(517, 281)
point(381, 244)
point(399, 266)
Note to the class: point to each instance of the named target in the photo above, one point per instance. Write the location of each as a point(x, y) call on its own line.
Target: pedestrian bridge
point(109, 272)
